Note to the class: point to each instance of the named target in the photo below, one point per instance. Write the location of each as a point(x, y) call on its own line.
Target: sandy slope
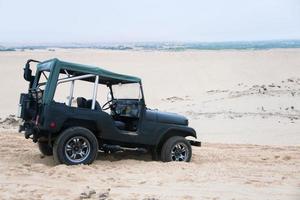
point(220, 91)
point(252, 114)
point(217, 171)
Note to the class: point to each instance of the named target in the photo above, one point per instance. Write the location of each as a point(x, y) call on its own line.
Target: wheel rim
point(77, 149)
point(179, 152)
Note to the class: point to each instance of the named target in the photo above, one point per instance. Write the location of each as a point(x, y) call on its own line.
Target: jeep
point(75, 127)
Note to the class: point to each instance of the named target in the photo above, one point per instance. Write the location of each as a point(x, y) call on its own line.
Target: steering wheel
point(109, 104)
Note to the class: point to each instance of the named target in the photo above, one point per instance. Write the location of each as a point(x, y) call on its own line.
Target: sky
point(99, 21)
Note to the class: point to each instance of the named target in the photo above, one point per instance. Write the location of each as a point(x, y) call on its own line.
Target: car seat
point(88, 104)
point(81, 102)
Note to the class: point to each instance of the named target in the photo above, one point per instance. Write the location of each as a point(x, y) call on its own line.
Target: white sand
point(220, 92)
point(217, 171)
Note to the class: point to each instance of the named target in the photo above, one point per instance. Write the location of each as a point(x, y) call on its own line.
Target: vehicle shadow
point(112, 157)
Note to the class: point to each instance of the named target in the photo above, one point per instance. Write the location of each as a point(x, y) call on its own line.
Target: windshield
point(127, 91)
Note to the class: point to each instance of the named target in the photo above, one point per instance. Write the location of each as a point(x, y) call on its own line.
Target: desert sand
point(244, 105)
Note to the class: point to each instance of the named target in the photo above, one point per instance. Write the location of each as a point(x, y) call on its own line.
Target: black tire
point(154, 154)
point(44, 148)
point(182, 146)
point(75, 137)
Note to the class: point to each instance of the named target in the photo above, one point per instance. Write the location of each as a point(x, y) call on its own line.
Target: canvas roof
point(79, 69)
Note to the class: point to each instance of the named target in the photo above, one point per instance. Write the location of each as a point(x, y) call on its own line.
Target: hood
point(166, 117)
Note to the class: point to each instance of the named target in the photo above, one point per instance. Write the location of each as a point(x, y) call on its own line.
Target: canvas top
point(105, 75)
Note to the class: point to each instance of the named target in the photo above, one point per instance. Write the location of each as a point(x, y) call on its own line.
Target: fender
point(183, 131)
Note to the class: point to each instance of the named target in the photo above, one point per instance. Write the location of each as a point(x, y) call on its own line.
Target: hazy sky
point(65, 21)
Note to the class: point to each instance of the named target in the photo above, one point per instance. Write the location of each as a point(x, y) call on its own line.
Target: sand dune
point(244, 105)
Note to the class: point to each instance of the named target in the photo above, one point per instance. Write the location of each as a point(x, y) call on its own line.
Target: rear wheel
point(45, 148)
point(76, 145)
point(176, 148)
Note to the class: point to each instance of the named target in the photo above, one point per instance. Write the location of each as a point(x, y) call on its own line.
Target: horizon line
point(140, 42)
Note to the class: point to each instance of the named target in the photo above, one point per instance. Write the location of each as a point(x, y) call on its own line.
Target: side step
point(115, 148)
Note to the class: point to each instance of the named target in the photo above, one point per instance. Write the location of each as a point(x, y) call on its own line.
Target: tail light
point(52, 125)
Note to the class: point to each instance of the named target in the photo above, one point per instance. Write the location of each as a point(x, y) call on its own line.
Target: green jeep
point(74, 130)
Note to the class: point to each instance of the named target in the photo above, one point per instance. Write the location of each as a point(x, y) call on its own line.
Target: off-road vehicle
point(73, 130)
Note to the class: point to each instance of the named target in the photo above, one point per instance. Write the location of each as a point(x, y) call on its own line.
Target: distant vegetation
point(169, 46)
point(6, 49)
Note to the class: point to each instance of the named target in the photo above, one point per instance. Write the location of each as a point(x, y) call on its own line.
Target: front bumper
point(195, 143)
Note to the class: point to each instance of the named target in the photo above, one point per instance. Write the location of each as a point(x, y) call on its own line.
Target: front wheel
point(176, 148)
point(76, 145)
